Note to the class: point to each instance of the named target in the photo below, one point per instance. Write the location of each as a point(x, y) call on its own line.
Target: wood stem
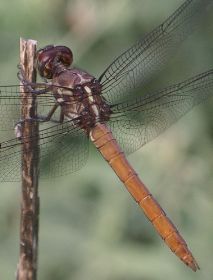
point(29, 224)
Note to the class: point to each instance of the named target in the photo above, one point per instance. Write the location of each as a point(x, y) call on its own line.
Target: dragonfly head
point(50, 57)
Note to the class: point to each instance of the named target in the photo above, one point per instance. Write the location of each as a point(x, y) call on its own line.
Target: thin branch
point(29, 225)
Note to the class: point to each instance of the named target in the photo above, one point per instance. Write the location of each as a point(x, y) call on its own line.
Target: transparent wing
point(63, 149)
point(10, 104)
point(132, 68)
point(136, 122)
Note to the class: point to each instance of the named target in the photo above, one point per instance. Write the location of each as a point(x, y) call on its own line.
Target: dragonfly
point(111, 111)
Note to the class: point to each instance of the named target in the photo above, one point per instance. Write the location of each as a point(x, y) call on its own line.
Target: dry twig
point(27, 266)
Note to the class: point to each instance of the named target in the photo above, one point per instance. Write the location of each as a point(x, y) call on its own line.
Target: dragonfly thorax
point(79, 95)
point(76, 91)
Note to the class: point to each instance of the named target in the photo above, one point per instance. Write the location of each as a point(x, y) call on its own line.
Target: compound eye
point(49, 56)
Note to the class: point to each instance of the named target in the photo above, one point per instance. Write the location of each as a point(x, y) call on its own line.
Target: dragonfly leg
point(61, 120)
point(48, 117)
point(31, 87)
point(39, 118)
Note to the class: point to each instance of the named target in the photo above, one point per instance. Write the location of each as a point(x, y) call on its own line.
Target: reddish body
point(91, 108)
point(86, 103)
point(110, 150)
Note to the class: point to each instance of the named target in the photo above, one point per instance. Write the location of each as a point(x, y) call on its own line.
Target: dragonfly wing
point(136, 65)
point(136, 122)
point(63, 149)
point(10, 105)
point(66, 152)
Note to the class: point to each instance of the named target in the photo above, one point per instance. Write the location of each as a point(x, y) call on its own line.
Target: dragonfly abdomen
point(103, 139)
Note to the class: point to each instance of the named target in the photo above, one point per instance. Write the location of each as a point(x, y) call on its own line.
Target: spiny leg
point(31, 87)
point(39, 118)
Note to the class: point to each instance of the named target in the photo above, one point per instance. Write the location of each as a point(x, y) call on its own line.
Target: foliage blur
point(90, 228)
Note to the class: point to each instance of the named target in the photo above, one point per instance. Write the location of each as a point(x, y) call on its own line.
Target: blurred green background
point(90, 228)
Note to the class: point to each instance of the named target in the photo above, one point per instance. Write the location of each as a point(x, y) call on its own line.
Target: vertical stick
point(27, 266)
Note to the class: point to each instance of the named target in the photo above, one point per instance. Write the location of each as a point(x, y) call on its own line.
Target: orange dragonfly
point(74, 106)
